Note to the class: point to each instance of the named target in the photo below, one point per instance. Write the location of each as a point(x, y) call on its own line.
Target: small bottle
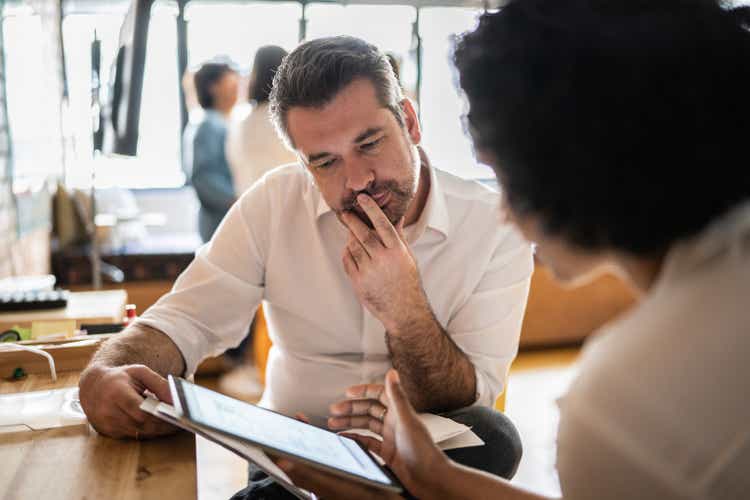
point(129, 315)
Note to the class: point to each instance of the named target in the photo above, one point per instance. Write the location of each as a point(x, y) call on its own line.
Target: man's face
point(354, 145)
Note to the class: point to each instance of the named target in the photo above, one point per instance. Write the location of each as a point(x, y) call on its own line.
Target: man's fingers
point(350, 265)
point(358, 253)
point(116, 423)
point(366, 391)
point(368, 238)
point(400, 228)
point(131, 407)
point(353, 407)
point(152, 381)
point(136, 419)
point(385, 230)
point(356, 422)
point(154, 427)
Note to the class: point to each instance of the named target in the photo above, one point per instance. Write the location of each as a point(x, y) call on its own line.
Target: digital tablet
point(280, 435)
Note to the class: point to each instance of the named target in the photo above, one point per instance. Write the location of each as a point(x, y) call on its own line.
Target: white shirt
point(281, 243)
point(253, 148)
point(660, 409)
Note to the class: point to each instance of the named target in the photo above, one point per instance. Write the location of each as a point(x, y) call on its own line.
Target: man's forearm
point(139, 344)
point(434, 371)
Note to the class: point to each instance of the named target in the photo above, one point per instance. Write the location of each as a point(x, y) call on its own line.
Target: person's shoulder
point(211, 123)
point(472, 192)
point(287, 180)
point(469, 203)
point(288, 174)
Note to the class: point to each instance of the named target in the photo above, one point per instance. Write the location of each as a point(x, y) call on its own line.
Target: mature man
point(355, 258)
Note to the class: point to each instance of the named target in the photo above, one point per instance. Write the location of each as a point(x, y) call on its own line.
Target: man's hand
point(364, 408)
point(384, 273)
point(111, 398)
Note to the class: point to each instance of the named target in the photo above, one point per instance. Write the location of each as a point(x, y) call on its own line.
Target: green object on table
point(19, 373)
point(15, 333)
point(10, 336)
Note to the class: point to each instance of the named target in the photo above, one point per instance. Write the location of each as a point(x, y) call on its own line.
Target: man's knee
point(502, 451)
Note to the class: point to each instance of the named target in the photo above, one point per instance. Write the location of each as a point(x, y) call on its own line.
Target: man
point(355, 257)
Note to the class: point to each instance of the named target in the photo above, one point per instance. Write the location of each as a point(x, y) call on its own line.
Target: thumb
point(400, 228)
point(396, 395)
point(152, 381)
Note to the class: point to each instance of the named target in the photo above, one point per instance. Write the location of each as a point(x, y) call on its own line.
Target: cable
point(38, 351)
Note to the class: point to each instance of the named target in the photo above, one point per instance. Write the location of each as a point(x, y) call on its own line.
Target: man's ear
point(411, 121)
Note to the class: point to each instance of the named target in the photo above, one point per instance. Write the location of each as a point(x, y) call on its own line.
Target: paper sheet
point(446, 433)
point(40, 410)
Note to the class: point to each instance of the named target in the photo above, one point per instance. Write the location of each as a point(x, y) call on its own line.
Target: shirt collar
point(434, 214)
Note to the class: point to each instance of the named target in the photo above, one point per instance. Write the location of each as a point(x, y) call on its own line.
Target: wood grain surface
point(76, 462)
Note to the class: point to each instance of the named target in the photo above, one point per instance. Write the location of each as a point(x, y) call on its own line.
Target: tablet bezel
point(181, 404)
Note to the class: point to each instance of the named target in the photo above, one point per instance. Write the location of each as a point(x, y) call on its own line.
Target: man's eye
point(370, 145)
point(325, 164)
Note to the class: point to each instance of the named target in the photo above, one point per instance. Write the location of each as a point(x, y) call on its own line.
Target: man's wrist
point(417, 318)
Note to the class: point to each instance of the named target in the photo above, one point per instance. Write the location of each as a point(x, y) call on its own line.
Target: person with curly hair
point(618, 130)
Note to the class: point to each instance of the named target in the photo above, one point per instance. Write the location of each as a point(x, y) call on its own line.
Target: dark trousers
point(500, 454)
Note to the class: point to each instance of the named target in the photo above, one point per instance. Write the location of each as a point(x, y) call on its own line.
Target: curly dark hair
point(620, 124)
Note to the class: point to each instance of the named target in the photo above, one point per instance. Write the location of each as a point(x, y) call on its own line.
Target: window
point(367, 22)
point(442, 106)
point(231, 29)
point(244, 29)
point(33, 106)
point(158, 161)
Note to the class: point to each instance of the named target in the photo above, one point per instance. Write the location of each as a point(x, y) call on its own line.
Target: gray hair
point(316, 71)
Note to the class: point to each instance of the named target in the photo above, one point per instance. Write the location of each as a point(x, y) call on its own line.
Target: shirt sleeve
point(212, 303)
point(487, 327)
point(211, 177)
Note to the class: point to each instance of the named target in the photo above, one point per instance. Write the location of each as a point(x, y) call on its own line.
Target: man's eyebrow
point(361, 137)
point(317, 156)
point(367, 133)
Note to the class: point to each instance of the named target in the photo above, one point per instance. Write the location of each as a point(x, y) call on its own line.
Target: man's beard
point(400, 195)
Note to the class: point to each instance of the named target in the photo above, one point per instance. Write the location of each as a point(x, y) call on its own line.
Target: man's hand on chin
point(382, 269)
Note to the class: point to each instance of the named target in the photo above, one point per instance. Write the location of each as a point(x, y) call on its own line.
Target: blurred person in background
point(216, 85)
point(253, 146)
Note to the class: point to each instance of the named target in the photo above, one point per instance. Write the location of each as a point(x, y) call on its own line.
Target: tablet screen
point(279, 432)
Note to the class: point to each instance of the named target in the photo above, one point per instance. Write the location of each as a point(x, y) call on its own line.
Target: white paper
point(40, 410)
point(446, 433)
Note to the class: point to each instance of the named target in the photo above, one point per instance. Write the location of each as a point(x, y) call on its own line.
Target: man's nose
point(358, 176)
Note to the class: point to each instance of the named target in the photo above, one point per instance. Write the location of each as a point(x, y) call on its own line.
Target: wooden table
point(104, 306)
point(77, 463)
